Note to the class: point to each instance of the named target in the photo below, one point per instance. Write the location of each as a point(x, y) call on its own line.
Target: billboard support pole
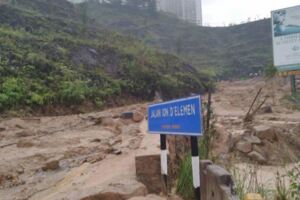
point(196, 166)
point(164, 160)
point(293, 84)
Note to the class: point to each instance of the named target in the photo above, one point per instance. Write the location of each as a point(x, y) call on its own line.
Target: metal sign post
point(196, 166)
point(164, 159)
point(178, 117)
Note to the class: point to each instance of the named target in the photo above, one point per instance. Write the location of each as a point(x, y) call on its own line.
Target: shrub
point(185, 181)
point(13, 92)
point(73, 92)
point(270, 71)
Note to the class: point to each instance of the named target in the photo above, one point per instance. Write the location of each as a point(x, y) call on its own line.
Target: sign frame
point(287, 66)
point(183, 133)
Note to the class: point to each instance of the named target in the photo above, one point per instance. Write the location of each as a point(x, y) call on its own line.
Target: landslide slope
point(53, 55)
point(229, 52)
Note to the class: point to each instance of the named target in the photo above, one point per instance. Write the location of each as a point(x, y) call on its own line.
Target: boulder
point(127, 115)
point(2, 129)
point(51, 166)
point(137, 116)
point(265, 110)
point(244, 146)
point(265, 132)
point(233, 140)
point(254, 155)
point(252, 139)
point(24, 133)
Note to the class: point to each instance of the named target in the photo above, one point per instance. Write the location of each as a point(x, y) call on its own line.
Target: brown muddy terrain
point(92, 156)
point(270, 141)
point(76, 156)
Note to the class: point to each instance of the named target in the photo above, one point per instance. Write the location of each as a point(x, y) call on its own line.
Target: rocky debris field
point(86, 156)
point(272, 137)
point(269, 141)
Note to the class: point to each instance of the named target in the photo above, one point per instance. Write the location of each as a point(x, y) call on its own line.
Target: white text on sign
point(174, 111)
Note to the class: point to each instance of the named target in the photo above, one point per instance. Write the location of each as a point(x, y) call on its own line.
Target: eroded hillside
point(54, 57)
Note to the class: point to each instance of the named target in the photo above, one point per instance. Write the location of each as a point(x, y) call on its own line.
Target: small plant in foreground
point(282, 192)
point(185, 181)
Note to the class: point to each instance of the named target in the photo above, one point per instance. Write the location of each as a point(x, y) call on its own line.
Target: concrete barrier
point(148, 173)
point(216, 182)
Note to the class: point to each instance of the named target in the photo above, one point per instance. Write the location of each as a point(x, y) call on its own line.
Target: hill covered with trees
point(228, 52)
point(54, 55)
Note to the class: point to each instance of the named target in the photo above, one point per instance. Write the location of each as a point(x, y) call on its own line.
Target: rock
point(1, 179)
point(127, 115)
point(105, 196)
point(252, 139)
point(98, 121)
point(2, 129)
point(97, 140)
point(265, 132)
point(259, 150)
point(257, 157)
point(116, 151)
point(174, 197)
point(20, 169)
point(113, 141)
point(244, 146)
point(24, 133)
point(265, 109)
point(122, 189)
point(137, 116)
point(132, 130)
point(24, 144)
point(107, 122)
point(51, 166)
point(95, 158)
point(148, 172)
point(19, 126)
point(148, 197)
point(233, 140)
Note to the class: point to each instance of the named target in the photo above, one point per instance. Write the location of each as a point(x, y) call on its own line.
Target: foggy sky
point(224, 12)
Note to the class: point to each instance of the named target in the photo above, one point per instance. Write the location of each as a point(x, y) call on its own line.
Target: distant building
point(188, 10)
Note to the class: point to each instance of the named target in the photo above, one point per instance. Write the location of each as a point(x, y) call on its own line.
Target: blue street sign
point(177, 117)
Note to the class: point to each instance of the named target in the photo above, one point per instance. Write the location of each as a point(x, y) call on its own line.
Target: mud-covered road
point(76, 156)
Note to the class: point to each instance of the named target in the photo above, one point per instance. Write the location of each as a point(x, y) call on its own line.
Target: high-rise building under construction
point(188, 10)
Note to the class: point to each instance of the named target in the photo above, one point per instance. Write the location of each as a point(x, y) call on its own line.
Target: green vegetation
point(248, 181)
point(293, 100)
point(294, 177)
point(287, 185)
point(52, 54)
point(185, 181)
point(270, 71)
point(234, 51)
